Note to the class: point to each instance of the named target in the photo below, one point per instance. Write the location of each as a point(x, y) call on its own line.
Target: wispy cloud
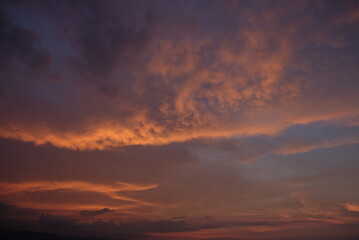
point(115, 191)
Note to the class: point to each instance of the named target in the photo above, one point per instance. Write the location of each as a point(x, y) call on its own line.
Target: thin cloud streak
point(113, 191)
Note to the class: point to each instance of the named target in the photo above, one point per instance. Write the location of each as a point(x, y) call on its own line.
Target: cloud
point(139, 228)
point(87, 213)
point(81, 186)
point(10, 211)
point(30, 235)
point(178, 218)
point(275, 189)
point(74, 226)
point(63, 195)
point(352, 207)
point(292, 140)
point(153, 76)
point(242, 111)
point(19, 50)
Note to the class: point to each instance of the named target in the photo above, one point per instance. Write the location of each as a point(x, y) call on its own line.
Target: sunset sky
point(180, 120)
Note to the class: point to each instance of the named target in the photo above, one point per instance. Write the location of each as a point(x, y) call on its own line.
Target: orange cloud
point(352, 207)
point(146, 132)
point(116, 191)
point(257, 78)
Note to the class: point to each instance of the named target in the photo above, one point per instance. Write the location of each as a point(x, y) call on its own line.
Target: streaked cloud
point(13, 190)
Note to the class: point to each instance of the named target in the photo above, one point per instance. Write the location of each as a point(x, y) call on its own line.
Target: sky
point(180, 120)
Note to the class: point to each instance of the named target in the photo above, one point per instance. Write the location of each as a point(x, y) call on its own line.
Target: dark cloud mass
point(19, 50)
point(153, 72)
point(179, 120)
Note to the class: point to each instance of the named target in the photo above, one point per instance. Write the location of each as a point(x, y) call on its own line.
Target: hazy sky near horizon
point(180, 119)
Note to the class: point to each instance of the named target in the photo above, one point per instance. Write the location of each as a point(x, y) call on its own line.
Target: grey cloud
point(178, 218)
point(19, 45)
point(87, 213)
point(10, 211)
point(71, 226)
point(31, 235)
point(292, 140)
point(180, 66)
point(106, 37)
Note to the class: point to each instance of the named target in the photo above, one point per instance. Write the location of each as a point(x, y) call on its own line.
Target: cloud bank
point(162, 73)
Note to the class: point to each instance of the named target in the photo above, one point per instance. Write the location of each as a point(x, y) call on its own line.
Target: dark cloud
point(87, 213)
point(45, 225)
point(107, 36)
point(178, 218)
point(19, 49)
point(74, 227)
point(182, 70)
point(30, 235)
point(10, 211)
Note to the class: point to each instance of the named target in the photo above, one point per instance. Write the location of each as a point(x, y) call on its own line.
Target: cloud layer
point(166, 73)
point(180, 120)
